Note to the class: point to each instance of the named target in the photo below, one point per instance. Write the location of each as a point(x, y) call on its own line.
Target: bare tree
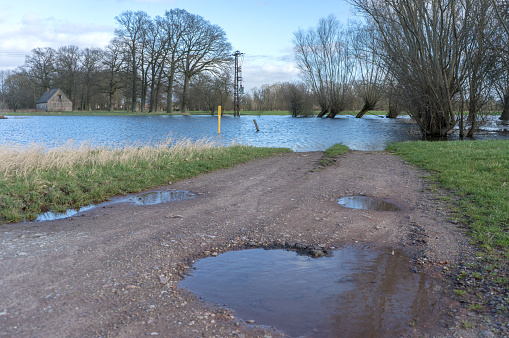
point(112, 65)
point(370, 85)
point(204, 49)
point(208, 91)
point(501, 76)
point(3, 77)
point(393, 101)
point(131, 33)
point(91, 65)
point(155, 50)
point(422, 48)
point(67, 68)
point(223, 84)
point(40, 67)
point(298, 99)
point(266, 97)
point(478, 31)
point(19, 91)
point(174, 25)
point(323, 57)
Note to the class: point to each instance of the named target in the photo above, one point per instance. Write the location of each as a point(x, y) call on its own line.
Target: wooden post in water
point(256, 125)
point(219, 120)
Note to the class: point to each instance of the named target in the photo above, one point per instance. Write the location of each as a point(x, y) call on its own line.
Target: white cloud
point(33, 31)
point(256, 75)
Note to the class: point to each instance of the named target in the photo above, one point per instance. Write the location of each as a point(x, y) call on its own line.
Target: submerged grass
point(478, 173)
point(34, 180)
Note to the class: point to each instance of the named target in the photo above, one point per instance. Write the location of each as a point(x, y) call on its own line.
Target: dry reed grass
point(19, 160)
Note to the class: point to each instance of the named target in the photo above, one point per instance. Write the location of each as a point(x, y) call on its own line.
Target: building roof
point(47, 96)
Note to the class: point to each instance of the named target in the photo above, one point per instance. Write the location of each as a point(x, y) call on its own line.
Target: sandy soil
point(113, 271)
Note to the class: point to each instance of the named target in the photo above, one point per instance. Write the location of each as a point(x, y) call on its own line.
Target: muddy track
point(113, 271)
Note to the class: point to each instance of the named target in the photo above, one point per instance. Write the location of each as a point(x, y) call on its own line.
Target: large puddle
point(367, 203)
point(355, 293)
point(150, 198)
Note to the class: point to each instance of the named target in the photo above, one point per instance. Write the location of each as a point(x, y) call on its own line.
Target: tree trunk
point(169, 95)
point(152, 95)
point(505, 112)
point(332, 113)
point(185, 89)
point(363, 111)
point(323, 113)
point(472, 117)
point(133, 98)
point(110, 102)
point(473, 126)
point(394, 110)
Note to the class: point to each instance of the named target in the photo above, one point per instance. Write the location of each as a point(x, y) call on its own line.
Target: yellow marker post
point(219, 119)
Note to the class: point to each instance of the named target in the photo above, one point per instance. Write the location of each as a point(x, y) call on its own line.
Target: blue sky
point(262, 29)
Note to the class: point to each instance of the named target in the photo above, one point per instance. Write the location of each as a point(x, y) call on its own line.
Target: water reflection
point(150, 198)
point(367, 203)
point(355, 293)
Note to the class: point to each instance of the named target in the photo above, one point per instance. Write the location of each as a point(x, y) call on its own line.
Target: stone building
point(54, 100)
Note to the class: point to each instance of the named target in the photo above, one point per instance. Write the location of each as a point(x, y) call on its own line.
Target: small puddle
point(367, 203)
point(150, 198)
point(355, 293)
point(158, 197)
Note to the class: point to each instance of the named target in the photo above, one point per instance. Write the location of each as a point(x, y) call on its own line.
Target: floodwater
point(367, 203)
point(150, 198)
point(370, 133)
point(299, 134)
point(357, 292)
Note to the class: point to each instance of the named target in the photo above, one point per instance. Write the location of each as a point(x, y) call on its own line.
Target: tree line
point(148, 65)
point(433, 59)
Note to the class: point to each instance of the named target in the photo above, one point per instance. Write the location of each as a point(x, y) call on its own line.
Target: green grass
point(34, 180)
point(459, 292)
point(336, 150)
point(329, 155)
point(477, 172)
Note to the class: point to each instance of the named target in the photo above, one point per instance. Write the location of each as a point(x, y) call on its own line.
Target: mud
point(113, 270)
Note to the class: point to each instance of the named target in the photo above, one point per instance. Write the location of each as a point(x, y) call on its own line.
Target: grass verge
point(477, 175)
point(34, 180)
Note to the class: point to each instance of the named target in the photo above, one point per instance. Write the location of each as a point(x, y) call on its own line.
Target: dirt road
point(113, 271)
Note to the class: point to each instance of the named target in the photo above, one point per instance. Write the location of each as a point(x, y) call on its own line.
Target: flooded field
point(298, 134)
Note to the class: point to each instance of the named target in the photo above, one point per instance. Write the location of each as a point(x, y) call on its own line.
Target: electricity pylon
point(238, 89)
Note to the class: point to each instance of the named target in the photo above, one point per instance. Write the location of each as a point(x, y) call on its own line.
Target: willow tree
point(371, 73)
point(502, 51)
point(422, 48)
point(324, 59)
point(479, 33)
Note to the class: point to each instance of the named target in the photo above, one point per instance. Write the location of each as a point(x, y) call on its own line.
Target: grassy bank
point(476, 172)
point(34, 180)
